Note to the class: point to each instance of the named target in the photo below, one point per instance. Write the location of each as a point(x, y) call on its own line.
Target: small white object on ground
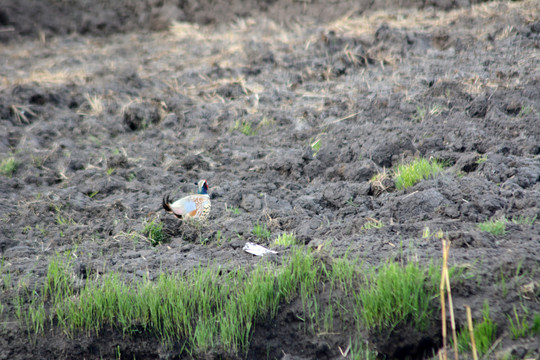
point(256, 249)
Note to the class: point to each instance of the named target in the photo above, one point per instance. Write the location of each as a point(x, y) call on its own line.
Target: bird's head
point(202, 187)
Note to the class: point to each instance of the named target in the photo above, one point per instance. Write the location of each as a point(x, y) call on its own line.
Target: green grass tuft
point(522, 220)
point(525, 110)
point(496, 227)
point(521, 328)
point(316, 146)
point(536, 324)
point(8, 166)
point(420, 114)
point(245, 127)
point(397, 294)
point(427, 234)
point(64, 220)
point(153, 230)
point(359, 351)
point(285, 239)
point(372, 224)
point(407, 175)
point(481, 159)
point(261, 231)
point(234, 209)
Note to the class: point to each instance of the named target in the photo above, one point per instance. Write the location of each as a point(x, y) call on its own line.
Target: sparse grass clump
point(261, 231)
point(524, 220)
point(316, 146)
point(521, 328)
point(481, 159)
point(484, 334)
point(407, 175)
point(496, 227)
point(59, 284)
point(153, 230)
point(267, 122)
point(437, 109)
point(285, 239)
point(536, 324)
point(8, 166)
point(420, 114)
point(61, 219)
point(95, 140)
point(233, 209)
point(64, 220)
point(94, 104)
point(525, 110)
point(36, 316)
point(427, 234)
point(372, 224)
point(245, 127)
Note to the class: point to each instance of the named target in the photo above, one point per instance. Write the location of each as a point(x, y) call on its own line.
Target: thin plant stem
point(446, 249)
point(471, 331)
point(443, 305)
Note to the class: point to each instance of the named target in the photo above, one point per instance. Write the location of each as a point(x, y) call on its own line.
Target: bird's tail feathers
point(166, 204)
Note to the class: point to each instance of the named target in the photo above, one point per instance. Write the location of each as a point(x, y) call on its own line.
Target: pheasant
point(192, 206)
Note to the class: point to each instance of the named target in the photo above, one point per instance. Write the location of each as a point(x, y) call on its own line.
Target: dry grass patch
point(20, 113)
point(381, 183)
point(93, 105)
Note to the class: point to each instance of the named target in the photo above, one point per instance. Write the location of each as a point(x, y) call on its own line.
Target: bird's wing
point(184, 206)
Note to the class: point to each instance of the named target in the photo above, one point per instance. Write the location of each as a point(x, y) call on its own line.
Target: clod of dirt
point(467, 163)
point(389, 153)
point(360, 171)
point(139, 115)
point(117, 161)
point(406, 342)
point(478, 107)
point(194, 161)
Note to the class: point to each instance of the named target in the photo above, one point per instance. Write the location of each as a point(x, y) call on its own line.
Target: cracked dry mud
point(104, 120)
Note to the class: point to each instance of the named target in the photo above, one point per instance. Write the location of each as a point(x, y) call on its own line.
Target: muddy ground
point(106, 109)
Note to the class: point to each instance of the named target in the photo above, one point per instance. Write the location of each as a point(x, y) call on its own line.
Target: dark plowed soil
point(106, 108)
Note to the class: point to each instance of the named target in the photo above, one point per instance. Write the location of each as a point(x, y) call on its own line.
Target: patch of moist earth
point(106, 108)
